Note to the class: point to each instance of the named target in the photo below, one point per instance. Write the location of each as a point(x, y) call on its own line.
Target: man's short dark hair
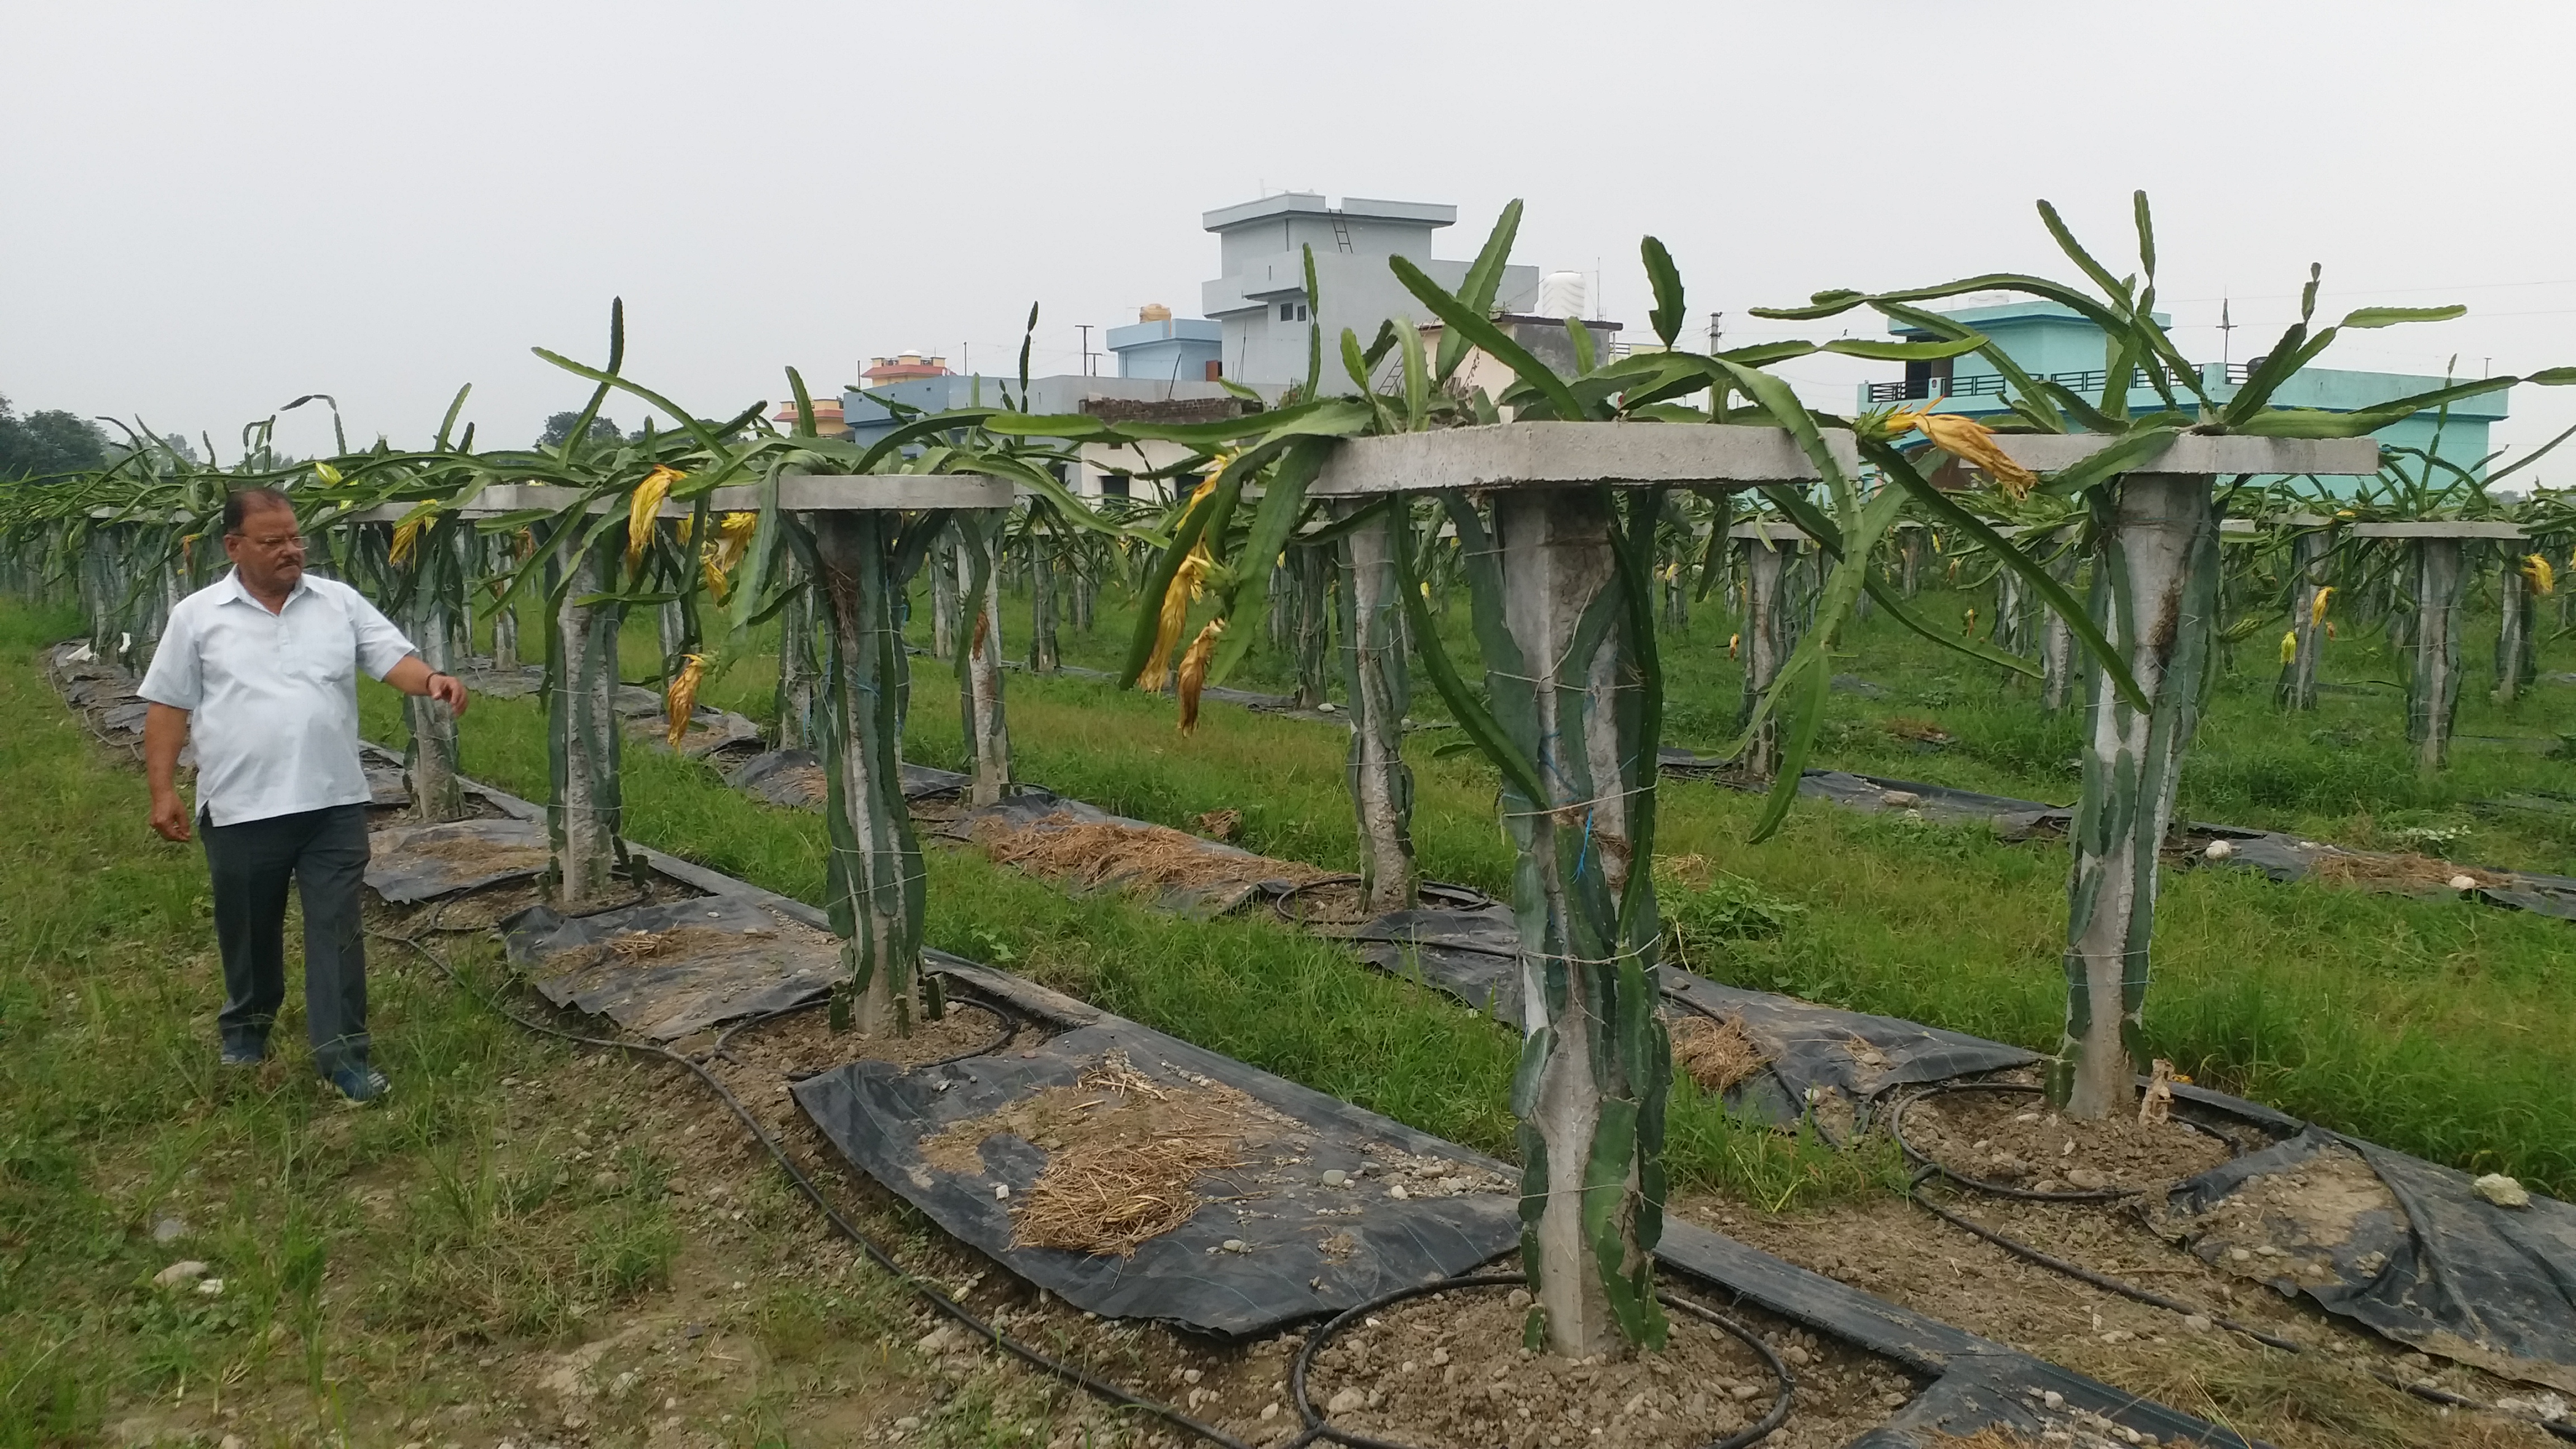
point(242, 501)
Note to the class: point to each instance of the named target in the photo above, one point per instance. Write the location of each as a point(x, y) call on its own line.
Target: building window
point(1292, 311)
point(1113, 485)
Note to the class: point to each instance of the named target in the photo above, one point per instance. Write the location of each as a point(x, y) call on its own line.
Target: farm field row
point(2437, 1027)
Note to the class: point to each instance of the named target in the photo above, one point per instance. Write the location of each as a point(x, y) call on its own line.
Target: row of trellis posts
point(1546, 520)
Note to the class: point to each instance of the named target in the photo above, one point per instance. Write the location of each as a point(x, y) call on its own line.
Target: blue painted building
point(1170, 349)
point(2048, 340)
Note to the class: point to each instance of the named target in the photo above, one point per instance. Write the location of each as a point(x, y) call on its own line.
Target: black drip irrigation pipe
point(1317, 1428)
point(1931, 1169)
point(921, 1288)
point(1896, 1129)
point(1011, 1023)
point(2019, 1249)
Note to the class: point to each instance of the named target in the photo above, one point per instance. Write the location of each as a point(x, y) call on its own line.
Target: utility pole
point(1716, 330)
point(1085, 329)
point(2226, 335)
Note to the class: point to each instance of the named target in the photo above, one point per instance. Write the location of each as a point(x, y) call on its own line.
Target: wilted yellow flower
point(1967, 440)
point(1194, 668)
point(525, 545)
point(2290, 646)
point(1732, 641)
point(1188, 582)
point(641, 509)
point(2544, 580)
point(733, 538)
point(2317, 610)
point(187, 546)
point(406, 538)
point(680, 702)
point(1969, 626)
point(717, 584)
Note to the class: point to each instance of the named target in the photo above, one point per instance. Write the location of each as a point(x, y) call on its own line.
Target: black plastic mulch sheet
point(1473, 953)
point(408, 864)
point(1304, 1248)
point(1977, 1381)
point(675, 968)
point(1034, 808)
point(2279, 856)
point(794, 778)
point(2398, 1244)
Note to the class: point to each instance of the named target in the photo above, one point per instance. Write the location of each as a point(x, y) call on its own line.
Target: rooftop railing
point(1991, 384)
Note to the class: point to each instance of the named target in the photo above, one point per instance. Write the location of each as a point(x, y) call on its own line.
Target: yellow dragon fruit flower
point(1967, 440)
point(406, 538)
point(1194, 668)
point(713, 573)
point(2289, 647)
point(1189, 581)
point(680, 702)
point(2544, 580)
point(2317, 610)
point(642, 508)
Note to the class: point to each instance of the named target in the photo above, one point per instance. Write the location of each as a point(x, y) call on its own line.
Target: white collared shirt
point(273, 698)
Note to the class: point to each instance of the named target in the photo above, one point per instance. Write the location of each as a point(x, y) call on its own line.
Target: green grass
point(2440, 1028)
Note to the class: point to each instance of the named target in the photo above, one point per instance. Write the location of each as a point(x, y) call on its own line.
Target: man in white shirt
point(263, 665)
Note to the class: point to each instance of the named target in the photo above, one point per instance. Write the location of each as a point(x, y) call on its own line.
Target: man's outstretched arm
point(412, 676)
point(165, 730)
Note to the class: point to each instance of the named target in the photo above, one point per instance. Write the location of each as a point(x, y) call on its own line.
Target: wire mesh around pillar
point(1557, 545)
point(863, 538)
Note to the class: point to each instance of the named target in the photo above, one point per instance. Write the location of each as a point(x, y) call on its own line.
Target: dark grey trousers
point(325, 853)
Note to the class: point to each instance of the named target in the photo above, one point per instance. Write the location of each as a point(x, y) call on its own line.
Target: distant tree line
point(49, 442)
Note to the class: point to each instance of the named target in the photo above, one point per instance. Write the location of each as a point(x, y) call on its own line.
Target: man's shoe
point(245, 1054)
point(360, 1084)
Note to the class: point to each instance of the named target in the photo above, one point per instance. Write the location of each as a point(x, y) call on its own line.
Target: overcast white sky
point(208, 209)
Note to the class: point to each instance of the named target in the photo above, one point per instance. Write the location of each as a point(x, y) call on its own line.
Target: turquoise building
point(2048, 340)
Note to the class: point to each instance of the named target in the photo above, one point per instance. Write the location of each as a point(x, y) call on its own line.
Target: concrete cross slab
point(1541, 455)
point(2439, 528)
point(2204, 453)
point(819, 493)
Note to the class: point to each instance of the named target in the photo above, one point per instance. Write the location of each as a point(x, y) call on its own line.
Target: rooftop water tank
point(1560, 294)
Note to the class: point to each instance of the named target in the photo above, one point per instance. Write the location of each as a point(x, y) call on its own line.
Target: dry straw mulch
point(1124, 1155)
point(2372, 871)
point(1718, 1053)
point(1099, 852)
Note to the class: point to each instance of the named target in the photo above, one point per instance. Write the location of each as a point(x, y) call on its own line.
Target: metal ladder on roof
point(1341, 231)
